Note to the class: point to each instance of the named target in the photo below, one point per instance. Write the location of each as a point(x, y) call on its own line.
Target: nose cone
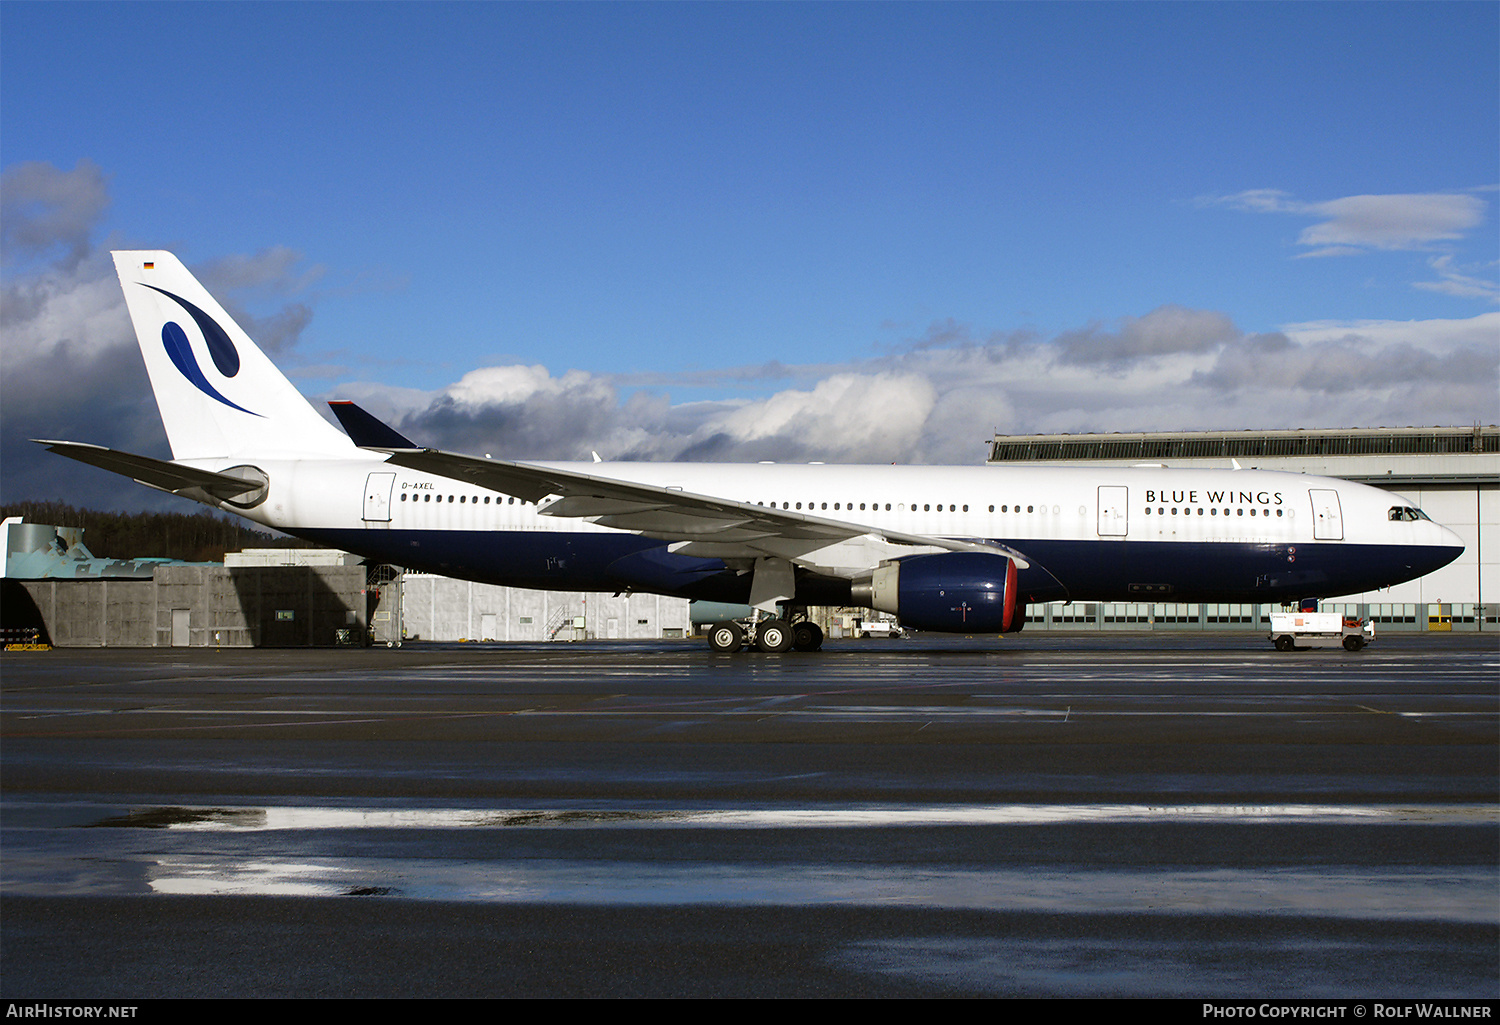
point(1447, 546)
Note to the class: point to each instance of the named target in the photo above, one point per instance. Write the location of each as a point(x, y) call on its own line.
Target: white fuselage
point(1083, 511)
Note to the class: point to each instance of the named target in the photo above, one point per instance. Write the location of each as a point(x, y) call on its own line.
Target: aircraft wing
point(200, 485)
point(701, 525)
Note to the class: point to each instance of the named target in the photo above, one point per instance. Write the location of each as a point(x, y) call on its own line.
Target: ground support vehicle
point(1292, 630)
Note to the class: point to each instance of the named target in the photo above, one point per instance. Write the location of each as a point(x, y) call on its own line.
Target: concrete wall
point(95, 613)
point(205, 606)
point(438, 608)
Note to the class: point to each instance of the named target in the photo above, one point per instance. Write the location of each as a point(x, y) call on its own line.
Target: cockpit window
point(1406, 512)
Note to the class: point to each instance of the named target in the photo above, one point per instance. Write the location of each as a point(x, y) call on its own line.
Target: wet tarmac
point(1083, 816)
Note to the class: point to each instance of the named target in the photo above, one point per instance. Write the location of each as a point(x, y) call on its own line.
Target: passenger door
point(1113, 511)
point(1328, 520)
point(378, 497)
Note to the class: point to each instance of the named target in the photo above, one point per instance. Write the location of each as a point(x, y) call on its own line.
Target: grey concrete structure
point(438, 608)
point(206, 606)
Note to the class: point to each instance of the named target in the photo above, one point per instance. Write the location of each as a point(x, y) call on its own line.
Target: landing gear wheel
point(1352, 643)
point(726, 637)
point(1284, 644)
point(807, 636)
point(774, 636)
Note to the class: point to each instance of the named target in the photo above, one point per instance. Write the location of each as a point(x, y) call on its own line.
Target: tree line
point(192, 537)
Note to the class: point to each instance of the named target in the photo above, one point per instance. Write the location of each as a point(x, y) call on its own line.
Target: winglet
point(366, 431)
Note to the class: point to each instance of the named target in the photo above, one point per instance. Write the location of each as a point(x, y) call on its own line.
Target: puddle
point(174, 818)
point(303, 818)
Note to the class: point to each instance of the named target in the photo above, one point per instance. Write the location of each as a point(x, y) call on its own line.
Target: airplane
point(956, 549)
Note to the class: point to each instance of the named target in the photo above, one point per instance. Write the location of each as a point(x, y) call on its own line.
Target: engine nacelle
point(955, 592)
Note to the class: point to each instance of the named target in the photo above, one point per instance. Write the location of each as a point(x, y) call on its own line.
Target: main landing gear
point(773, 636)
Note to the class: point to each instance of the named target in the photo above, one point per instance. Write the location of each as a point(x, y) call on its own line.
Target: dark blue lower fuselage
point(1090, 570)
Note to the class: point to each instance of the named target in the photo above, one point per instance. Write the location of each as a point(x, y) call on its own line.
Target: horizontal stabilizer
point(365, 430)
point(157, 473)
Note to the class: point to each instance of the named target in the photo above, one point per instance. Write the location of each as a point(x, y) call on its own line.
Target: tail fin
point(218, 394)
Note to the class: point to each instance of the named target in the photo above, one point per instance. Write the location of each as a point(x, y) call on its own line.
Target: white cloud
point(1170, 369)
point(1438, 335)
point(848, 416)
point(1453, 282)
point(512, 385)
point(78, 308)
point(1356, 224)
point(1393, 222)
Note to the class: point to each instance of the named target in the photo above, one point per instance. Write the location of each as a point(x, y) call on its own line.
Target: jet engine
point(955, 592)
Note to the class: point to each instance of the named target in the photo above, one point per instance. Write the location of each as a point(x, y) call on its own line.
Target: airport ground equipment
point(1292, 630)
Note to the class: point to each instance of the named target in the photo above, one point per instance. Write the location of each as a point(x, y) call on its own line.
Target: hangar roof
point(1388, 455)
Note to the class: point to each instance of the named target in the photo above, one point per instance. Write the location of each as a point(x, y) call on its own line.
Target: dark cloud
point(104, 398)
point(1165, 331)
point(70, 368)
point(278, 333)
point(277, 268)
point(1350, 364)
point(565, 425)
point(48, 214)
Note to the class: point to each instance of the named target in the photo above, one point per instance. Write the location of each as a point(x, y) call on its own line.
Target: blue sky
point(843, 231)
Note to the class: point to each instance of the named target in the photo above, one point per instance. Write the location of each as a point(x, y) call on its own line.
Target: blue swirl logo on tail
point(175, 340)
